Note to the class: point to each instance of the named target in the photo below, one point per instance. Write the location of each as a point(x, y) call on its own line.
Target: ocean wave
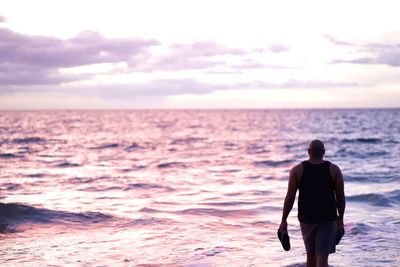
point(360, 154)
point(229, 203)
point(172, 164)
point(35, 175)
point(8, 156)
point(372, 177)
point(149, 210)
point(79, 180)
point(10, 186)
point(359, 228)
point(187, 140)
point(132, 147)
point(372, 198)
point(14, 214)
point(272, 163)
point(217, 212)
point(381, 200)
point(146, 186)
point(104, 146)
point(363, 140)
point(214, 212)
point(256, 149)
point(145, 222)
point(66, 164)
point(214, 251)
point(101, 189)
point(28, 140)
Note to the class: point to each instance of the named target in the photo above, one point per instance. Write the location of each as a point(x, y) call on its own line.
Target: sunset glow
point(207, 54)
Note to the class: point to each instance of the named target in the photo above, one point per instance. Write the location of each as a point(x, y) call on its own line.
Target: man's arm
point(339, 191)
point(290, 197)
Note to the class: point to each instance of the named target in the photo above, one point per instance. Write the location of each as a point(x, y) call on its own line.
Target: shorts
point(320, 238)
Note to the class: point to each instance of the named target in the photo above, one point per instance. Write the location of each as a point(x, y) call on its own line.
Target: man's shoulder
point(333, 166)
point(335, 171)
point(297, 168)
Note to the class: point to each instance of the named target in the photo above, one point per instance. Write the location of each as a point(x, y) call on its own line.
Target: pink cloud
point(278, 48)
point(206, 49)
point(26, 59)
point(198, 55)
point(204, 55)
point(86, 48)
point(378, 53)
point(336, 41)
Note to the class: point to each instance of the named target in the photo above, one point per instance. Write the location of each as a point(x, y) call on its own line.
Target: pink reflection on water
point(148, 188)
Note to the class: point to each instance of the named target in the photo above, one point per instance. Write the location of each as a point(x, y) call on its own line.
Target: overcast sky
point(199, 54)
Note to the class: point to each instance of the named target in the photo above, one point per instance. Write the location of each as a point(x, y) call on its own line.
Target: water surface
point(189, 187)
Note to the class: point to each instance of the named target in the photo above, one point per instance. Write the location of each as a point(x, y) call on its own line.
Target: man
point(321, 204)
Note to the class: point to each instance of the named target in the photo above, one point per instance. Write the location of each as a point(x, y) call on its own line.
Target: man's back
point(317, 201)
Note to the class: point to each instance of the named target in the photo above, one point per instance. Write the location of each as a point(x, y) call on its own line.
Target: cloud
point(168, 87)
point(31, 76)
point(198, 55)
point(84, 49)
point(336, 41)
point(159, 87)
point(2, 19)
point(252, 64)
point(375, 53)
point(26, 59)
point(176, 62)
point(382, 54)
point(206, 55)
point(206, 49)
point(295, 84)
point(278, 48)
point(34, 60)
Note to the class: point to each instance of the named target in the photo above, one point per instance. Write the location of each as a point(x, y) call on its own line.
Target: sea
point(188, 187)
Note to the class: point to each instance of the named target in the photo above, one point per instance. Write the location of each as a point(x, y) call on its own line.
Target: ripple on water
point(26, 140)
point(67, 164)
point(146, 186)
point(132, 147)
point(105, 146)
point(173, 164)
point(363, 140)
point(10, 186)
point(8, 156)
point(273, 163)
point(218, 212)
point(229, 203)
point(359, 229)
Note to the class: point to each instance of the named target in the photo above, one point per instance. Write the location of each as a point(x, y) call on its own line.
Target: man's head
point(316, 149)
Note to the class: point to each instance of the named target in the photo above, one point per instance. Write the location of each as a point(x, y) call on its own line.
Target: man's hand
point(283, 226)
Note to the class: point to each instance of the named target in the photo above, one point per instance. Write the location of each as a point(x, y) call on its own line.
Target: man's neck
point(315, 161)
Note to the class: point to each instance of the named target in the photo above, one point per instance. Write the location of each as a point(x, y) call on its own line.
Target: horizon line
point(199, 109)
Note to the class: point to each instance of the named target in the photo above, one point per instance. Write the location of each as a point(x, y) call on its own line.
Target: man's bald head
point(316, 149)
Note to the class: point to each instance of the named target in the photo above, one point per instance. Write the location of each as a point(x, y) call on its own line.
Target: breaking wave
point(14, 214)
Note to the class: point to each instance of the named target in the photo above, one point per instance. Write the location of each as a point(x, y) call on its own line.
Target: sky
point(199, 54)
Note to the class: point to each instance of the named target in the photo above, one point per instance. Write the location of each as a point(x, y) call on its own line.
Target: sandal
point(285, 240)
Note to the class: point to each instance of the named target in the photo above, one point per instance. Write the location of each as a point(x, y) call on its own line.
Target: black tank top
point(317, 202)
